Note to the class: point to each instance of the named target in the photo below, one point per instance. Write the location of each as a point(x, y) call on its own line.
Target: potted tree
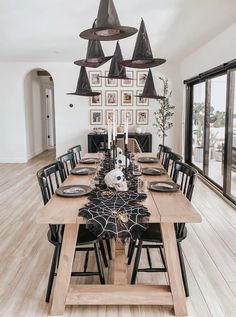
point(163, 116)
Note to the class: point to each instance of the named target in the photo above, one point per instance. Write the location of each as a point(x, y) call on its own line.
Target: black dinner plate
point(163, 186)
point(83, 171)
point(153, 171)
point(89, 160)
point(73, 190)
point(148, 159)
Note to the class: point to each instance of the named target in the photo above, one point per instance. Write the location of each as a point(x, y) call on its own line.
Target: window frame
point(228, 69)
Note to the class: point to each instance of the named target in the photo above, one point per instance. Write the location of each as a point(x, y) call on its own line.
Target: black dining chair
point(169, 161)
point(68, 160)
point(51, 177)
point(162, 150)
point(76, 150)
point(186, 177)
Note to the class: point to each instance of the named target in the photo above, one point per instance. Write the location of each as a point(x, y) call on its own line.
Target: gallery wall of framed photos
point(118, 95)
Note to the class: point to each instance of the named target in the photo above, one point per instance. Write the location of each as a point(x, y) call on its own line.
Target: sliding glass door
point(216, 128)
point(198, 120)
point(211, 129)
point(231, 160)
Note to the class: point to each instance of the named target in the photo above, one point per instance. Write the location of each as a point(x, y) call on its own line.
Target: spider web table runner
point(115, 214)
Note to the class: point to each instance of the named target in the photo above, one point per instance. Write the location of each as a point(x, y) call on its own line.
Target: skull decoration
point(115, 179)
point(119, 151)
point(120, 161)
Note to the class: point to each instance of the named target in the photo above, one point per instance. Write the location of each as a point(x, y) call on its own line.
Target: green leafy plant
point(163, 116)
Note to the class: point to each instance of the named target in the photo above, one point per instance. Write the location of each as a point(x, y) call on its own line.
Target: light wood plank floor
point(25, 254)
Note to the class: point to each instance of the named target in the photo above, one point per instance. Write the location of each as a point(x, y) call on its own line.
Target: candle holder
point(114, 152)
point(108, 155)
point(126, 152)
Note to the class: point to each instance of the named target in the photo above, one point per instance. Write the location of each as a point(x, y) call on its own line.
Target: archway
point(39, 112)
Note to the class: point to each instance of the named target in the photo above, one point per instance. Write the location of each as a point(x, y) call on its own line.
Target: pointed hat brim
point(93, 63)
point(84, 93)
point(143, 63)
point(117, 77)
point(108, 33)
point(150, 96)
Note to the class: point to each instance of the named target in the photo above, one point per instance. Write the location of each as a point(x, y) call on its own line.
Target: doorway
point(39, 112)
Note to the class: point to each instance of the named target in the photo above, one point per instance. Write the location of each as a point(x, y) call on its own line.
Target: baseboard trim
point(10, 160)
point(217, 191)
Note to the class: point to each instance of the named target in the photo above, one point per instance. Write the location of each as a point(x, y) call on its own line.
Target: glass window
point(217, 109)
point(198, 119)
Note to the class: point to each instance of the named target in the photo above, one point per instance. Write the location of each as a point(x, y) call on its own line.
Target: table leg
point(120, 264)
point(173, 268)
point(64, 270)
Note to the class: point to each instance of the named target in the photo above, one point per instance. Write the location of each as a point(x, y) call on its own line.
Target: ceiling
point(47, 30)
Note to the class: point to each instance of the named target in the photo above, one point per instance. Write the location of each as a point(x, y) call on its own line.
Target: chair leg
point(136, 262)
point(99, 263)
point(149, 258)
point(162, 257)
point(52, 272)
point(183, 270)
point(129, 248)
point(108, 244)
point(131, 252)
point(104, 257)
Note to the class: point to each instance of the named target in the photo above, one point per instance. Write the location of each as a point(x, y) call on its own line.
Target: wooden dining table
point(165, 208)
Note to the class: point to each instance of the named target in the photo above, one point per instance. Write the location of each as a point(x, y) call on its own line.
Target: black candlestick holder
point(126, 160)
point(114, 152)
point(108, 154)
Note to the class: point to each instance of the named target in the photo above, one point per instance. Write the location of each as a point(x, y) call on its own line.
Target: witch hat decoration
point(107, 25)
point(149, 90)
point(95, 56)
point(116, 69)
point(142, 56)
point(83, 86)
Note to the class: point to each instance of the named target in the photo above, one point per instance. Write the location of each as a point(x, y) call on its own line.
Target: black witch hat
point(116, 69)
point(83, 86)
point(95, 56)
point(142, 56)
point(107, 25)
point(149, 90)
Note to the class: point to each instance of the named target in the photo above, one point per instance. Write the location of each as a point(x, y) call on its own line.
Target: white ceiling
point(47, 30)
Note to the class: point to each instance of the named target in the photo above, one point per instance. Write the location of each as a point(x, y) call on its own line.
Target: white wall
point(72, 124)
point(219, 50)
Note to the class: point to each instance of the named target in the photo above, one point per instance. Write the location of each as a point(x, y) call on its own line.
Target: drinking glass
point(137, 170)
point(142, 186)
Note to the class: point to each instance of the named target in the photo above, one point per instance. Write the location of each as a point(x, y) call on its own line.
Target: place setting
point(153, 171)
point(83, 171)
point(161, 186)
point(148, 159)
point(89, 160)
point(73, 190)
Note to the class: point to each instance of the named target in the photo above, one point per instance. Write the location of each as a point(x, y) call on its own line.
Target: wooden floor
point(25, 254)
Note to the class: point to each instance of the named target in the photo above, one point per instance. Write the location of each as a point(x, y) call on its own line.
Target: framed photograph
point(96, 100)
point(110, 82)
point(129, 114)
point(112, 98)
point(96, 117)
point(127, 98)
point(128, 82)
point(109, 115)
point(141, 77)
point(141, 101)
point(94, 78)
point(142, 117)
